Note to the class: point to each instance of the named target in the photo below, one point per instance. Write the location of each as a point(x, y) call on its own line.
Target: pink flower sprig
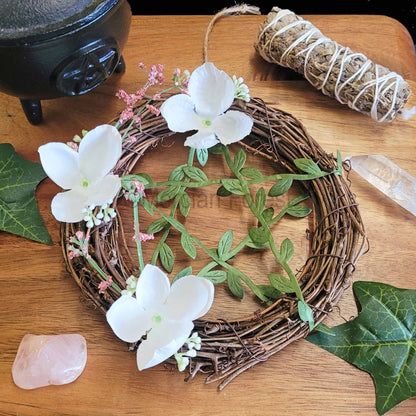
point(144, 237)
point(155, 76)
point(181, 80)
point(133, 190)
point(105, 284)
point(79, 245)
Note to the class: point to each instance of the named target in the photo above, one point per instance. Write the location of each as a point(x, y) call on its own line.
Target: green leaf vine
point(219, 269)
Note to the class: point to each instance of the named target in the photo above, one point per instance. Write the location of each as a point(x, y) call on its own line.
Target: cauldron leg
point(121, 66)
point(33, 110)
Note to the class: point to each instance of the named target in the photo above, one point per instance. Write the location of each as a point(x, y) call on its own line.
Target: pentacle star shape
point(381, 340)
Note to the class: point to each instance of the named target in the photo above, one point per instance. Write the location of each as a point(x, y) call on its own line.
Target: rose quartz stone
point(42, 360)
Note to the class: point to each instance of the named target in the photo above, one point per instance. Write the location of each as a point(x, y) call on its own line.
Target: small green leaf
point(280, 283)
point(187, 271)
point(221, 191)
point(225, 243)
point(255, 245)
point(202, 156)
point(218, 149)
point(239, 159)
point(306, 314)
point(258, 235)
point(339, 163)
point(215, 276)
point(184, 204)
point(281, 187)
point(287, 250)
point(251, 173)
point(270, 291)
point(175, 223)
point(145, 179)
point(166, 257)
point(141, 177)
point(167, 193)
point(234, 284)
point(156, 226)
point(188, 245)
point(308, 166)
point(298, 211)
point(233, 186)
point(194, 173)
point(260, 200)
point(268, 214)
point(147, 205)
point(177, 173)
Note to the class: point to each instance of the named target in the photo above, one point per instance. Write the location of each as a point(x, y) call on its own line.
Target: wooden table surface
point(38, 296)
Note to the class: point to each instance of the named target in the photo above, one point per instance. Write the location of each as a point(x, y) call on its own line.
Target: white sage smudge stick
point(351, 78)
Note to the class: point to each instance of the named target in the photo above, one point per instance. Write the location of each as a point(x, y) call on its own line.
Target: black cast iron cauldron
point(56, 48)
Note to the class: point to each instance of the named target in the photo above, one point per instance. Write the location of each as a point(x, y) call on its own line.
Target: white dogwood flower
point(160, 312)
point(204, 109)
point(84, 174)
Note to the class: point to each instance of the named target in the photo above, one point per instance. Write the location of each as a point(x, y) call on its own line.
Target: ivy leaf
point(381, 340)
point(19, 212)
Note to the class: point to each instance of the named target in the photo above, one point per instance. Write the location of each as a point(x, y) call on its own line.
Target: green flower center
point(207, 123)
point(85, 183)
point(157, 319)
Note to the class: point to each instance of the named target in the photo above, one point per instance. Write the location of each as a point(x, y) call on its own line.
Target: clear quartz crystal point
point(389, 178)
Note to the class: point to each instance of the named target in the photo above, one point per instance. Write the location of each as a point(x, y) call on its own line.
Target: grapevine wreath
point(97, 255)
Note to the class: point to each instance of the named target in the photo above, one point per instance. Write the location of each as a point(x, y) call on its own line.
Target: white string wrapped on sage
point(351, 78)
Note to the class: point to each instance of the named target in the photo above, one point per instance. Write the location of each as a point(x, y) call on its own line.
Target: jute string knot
point(228, 11)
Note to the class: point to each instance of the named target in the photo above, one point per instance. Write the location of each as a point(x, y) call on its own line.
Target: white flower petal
point(99, 151)
point(104, 190)
point(152, 287)
point(201, 140)
point(232, 126)
point(60, 163)
point(190, 297)
point(211, 90)
point(67, 206)
point(127, 319)
point(210, 299)
point(164, 340)
point(179, 113)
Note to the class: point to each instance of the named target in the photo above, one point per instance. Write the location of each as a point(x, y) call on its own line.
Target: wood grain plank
point(38, 296)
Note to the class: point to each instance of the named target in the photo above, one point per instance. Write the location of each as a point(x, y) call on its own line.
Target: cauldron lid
point(35, 18)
